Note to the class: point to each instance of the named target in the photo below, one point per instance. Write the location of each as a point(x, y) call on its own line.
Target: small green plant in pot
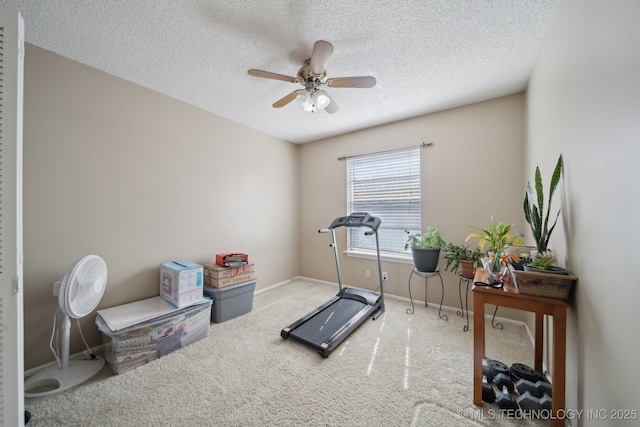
point(464, 257)
point(497, 236)
point(533, 213)
point(544, 264)
point(425, 248)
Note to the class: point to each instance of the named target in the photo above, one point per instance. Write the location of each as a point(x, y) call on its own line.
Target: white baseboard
point(274, 286)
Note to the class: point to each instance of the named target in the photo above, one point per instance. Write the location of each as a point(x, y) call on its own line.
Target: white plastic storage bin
point(231, 301)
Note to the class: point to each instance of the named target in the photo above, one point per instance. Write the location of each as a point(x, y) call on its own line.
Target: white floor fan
point(79, 293)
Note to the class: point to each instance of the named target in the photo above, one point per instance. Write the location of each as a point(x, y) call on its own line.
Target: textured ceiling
point(426, 55)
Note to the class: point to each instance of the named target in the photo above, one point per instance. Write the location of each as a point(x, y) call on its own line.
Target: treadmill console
point(357, 219)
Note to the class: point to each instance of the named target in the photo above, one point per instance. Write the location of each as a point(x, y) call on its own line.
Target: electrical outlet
point(367, 274)
point(384, 276)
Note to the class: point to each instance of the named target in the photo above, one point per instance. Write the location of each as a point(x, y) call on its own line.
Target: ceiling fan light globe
point(322, 99)
point(311, 108)
point(306, 98)
point(302, 99)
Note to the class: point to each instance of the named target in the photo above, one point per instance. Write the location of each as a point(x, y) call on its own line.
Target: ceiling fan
point(312, 75)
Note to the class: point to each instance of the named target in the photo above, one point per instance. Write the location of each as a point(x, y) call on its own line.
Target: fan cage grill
point(83, 286)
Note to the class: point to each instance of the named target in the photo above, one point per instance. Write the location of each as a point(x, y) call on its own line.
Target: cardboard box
point(229, 281)
point(216, 271)
point(141, 343)
point(218, 276)
point(232, 259)
point(231, 301)
point(181, 283)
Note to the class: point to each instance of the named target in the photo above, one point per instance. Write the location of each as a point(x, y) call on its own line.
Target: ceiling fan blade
point(320, 55)
point(287, 99)
point(270, 75)
point(359, 82)
point(332, 107)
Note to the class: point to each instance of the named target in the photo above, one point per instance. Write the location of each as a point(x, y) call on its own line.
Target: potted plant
point(544, 264)
point(464, 257)
point(425, 248)
point(497, 236)
point(533, 213)
point(542, 278)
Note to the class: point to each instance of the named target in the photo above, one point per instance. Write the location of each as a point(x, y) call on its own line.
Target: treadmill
point(328, 325)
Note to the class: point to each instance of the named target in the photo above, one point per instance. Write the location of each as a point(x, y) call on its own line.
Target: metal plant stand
point(496, 325)
point(461, 312)
point(427, 275)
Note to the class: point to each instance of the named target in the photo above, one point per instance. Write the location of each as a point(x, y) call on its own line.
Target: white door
point(11, 290)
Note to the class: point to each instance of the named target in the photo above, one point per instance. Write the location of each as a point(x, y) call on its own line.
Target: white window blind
point(386, 185)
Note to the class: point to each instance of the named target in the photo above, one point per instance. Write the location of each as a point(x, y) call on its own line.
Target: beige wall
point(139, 178)
point(473, 171)
point(583, 101)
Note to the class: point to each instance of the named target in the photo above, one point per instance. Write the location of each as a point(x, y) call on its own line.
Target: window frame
point(394, 166)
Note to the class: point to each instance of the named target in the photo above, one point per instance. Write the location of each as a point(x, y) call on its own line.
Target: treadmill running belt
point(322, 326)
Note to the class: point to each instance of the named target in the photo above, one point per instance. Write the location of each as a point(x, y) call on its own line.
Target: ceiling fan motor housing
point(310, 80)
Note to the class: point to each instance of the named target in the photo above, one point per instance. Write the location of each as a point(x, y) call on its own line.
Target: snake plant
point(533, 213)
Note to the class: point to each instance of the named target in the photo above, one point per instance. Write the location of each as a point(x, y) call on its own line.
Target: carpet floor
point(399, 370)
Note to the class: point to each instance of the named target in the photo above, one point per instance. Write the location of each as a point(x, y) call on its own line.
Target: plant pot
point(425, 260)
point(556, 286)
point(467, 269)
point(553, 269)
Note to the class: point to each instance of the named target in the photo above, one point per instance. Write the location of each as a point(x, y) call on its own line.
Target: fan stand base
point(62, 379)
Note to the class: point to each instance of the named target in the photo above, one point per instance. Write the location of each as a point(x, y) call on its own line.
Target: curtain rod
point(423, 145)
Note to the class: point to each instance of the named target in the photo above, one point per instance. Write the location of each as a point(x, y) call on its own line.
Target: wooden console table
point(508, 296)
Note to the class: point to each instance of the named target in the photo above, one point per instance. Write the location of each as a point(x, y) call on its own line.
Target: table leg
point(478, 347)
point(538, 345)
point(559, 364)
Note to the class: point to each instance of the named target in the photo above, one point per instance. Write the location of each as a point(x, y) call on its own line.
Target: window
point(386, 185)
